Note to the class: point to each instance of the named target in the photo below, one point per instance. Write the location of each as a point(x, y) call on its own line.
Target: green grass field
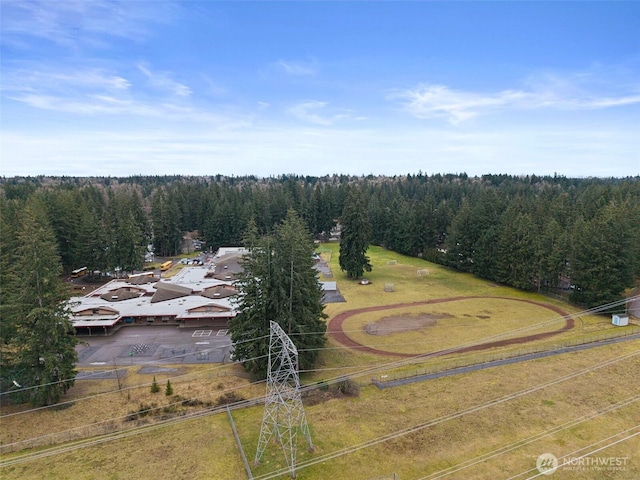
point(454, 422)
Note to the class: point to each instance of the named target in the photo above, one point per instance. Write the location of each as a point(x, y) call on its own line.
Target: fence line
point(528, 350)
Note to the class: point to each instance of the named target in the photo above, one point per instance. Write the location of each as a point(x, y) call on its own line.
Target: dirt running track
point(334, 328)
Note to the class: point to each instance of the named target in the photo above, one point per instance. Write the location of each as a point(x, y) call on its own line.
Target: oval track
point(335, 330)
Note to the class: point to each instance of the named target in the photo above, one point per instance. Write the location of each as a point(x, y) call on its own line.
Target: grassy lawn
point(204, 448)
point(458, 323)
point(342, 427)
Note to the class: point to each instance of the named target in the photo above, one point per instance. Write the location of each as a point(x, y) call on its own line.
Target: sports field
point(493, 423)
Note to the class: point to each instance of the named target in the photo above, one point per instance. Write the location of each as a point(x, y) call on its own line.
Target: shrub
point(349, 387)
point(227, 398)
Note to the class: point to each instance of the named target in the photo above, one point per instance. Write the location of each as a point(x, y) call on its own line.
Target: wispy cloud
point(101, 105)
point(43, 78)
point(438, 101)
point(77, 23)
point(297, 68)
point(99, 92)
point(428, 101)
point(308, 111)
point(163, 81)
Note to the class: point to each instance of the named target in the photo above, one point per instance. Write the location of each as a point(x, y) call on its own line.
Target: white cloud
point(434, 101)
point(79, 23)
point(551, 92)
point(308, 111)
point(163, 81)
point(40, 77)
point(94, 104)
point(296, 68)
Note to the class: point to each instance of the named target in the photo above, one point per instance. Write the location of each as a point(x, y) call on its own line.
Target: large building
point(196, 296)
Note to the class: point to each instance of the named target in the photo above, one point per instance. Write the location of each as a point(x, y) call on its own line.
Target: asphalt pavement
point(155, 345)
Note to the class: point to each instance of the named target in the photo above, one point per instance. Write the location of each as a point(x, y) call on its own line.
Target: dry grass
point(97, 406)
point(346, 423)
point(204, 448)
point(461, 322)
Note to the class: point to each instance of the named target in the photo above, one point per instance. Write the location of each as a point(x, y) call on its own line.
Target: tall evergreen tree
point(41, 355)
point(354, 237)
point(603, 259)
point(279, 284)
point(127, 242)
point(517, 262)
point(165, 217)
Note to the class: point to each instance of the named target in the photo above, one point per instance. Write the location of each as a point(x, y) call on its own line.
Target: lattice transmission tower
point(284, 415)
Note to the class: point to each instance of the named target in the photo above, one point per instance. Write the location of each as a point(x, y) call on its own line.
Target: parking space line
point(202, 333)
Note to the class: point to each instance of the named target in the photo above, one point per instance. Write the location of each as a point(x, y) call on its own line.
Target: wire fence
point(468, 361)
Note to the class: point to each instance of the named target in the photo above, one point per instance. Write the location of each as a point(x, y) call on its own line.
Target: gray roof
point(119, 295)
point(176, 297)
point(169, 291)
point(219, 291)
point(141, 280)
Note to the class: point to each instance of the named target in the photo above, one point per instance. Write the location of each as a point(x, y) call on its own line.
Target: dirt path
point(334, 328)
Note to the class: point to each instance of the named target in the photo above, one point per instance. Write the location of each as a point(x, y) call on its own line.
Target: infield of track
point(336, 331)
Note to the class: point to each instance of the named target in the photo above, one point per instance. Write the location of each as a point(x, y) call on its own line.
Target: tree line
point(533, 233)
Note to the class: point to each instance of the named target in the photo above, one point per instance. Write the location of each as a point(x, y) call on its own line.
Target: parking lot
point(156, 345)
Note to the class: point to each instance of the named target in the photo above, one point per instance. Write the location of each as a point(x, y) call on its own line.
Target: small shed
point(620, 320)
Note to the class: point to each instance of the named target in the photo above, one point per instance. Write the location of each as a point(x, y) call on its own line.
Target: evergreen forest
point(576, 236)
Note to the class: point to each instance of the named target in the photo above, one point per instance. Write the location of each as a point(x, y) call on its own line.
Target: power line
point(569, 455)
point(534, 438)
point(448, 351)
point(345, 451)
point(336, 379)
point(421, 426)
point(370, 370)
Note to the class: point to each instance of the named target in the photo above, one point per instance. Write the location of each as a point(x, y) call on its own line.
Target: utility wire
point(430, 423)
point(570, 455)
point(534, 438)
point(448, 351)
point(336, 379)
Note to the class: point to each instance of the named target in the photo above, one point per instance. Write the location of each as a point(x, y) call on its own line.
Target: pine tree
point(41, 354)
point(127, 241)
point(155, 388)
point(603, 258)
point(279, 284)
point(354, 237)
point(165, 214)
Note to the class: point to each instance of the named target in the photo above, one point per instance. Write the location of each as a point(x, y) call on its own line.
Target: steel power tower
point(283, 410)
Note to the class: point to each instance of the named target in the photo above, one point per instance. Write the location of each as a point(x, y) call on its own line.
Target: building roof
point(119, 295)
point(169, 291)
point(141, 279)
point(180, 297)
point(194, 292)
point(219, 291)
point(95, 323)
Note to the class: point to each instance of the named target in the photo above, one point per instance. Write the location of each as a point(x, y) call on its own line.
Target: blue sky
point(314, 88)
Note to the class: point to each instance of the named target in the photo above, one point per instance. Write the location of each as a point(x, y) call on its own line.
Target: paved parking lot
point(155, 344)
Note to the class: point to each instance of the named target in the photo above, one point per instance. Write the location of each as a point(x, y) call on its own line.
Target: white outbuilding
point(620, 320)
